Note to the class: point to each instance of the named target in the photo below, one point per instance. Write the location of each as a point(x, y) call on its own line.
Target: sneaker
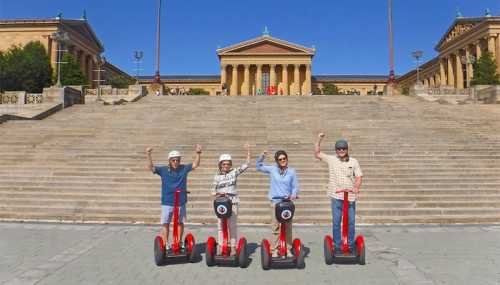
point(275, 253)
point(233, 251)
point(182, 245)
point(167, 247)
point(288, 252)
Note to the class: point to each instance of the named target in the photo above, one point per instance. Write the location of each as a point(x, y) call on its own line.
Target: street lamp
point(466, 61)
point(101, 60)
point(417, 55)
point(60, 37)
point(138, 54)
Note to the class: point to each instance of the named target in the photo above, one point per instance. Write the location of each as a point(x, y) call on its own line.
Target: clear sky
point(350, 36)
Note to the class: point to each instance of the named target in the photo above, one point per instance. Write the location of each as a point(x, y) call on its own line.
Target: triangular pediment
point(84, 30)
point(457, 29)
point(266, 45)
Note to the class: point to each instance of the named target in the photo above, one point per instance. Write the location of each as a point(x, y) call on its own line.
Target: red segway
point(284, 211)
point(357, 255)
point(176, 252)
point(223, 209)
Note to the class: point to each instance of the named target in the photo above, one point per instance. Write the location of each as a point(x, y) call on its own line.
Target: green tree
point(71, 74)
point(2, 72)
point(36, 66)
point(330, 89)
point(25, 68)
point(199, 91)
point(119, 82)
point(485, 71)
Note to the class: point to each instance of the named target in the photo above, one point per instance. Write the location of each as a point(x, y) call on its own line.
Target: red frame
point(345, 223)
point(176, 246)
point(282, 240)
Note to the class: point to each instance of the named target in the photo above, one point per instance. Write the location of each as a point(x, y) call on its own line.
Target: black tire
point(243, 256)
point(301, 263)
point(361, 256)
point(193, 256)
point(328, 251)
point(209, 255)
point(160, 255)
point(265, 258)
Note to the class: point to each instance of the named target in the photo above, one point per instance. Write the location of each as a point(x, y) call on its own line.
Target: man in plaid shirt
point(345, 174)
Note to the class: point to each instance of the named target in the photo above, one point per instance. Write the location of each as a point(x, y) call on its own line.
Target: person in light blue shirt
point(284, 184)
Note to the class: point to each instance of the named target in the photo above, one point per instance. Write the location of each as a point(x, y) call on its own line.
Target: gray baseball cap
point(342, 143)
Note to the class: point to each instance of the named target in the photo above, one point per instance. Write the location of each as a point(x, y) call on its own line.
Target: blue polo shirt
point(171, 180)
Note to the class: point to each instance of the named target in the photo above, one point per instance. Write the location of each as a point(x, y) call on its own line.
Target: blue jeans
point(337, 207)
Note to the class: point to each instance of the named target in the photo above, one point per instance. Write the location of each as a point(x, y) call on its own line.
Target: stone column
point(223, 75)
point(451, 77)
point(479, 51)
point(307, 88)
point(491, 46)
point(258, 79)
point(460, 71)
point(432, 82)
point(285, 79)
point(442, 73)
point(234, 82)
point(498, 54)
point(246, 82)
point(469, 66)
point(296, 79)
point(272, 76)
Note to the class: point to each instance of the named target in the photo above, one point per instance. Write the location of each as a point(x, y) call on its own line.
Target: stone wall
point(489, 94)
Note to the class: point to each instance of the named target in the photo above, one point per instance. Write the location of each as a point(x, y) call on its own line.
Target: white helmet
point(224, 157)
point(174, 153)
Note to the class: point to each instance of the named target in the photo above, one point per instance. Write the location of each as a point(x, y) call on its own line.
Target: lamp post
point(101, 60)
point(392, 77)
point(466, 61)
point(138, 57)
point(417, 55)
point(158, 16)
point(60, 37)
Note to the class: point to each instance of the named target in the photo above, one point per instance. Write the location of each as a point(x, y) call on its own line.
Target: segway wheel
point(328, 250)
point(159, 251)
point(265, 254)
point(299, 254)
point(361, 255)
point(190, 244)
point(210, 251)
point(243, 253)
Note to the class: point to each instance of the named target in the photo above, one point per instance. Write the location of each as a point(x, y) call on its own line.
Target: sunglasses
point(175, 159)
point(226, 164)
point(341, 149)
point(282, 159)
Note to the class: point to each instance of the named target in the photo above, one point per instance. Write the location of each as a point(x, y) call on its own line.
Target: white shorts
point(167, 214)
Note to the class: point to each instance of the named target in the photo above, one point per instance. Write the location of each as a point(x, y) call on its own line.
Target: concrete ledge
point(489, 95)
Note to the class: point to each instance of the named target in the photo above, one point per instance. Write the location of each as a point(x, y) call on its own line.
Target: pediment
point(265, 45)
point(459, 28)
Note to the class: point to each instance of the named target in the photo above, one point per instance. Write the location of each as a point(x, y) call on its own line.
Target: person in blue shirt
point(284, 184)
point(173, 177)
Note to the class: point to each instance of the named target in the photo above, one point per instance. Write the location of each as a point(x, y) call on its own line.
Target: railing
point(34, 98)
point(447, 91)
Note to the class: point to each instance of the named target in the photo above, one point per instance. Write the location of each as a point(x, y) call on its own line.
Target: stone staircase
point(423, 162)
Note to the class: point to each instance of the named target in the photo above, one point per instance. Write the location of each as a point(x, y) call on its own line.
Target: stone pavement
point(123, 254)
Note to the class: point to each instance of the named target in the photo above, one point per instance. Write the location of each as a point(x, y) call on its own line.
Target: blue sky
point(350, 36)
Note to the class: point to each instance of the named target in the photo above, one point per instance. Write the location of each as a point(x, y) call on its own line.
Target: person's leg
point(233, 229)
point(352, 222)
point(166, 214)
point(337, 218)
point(275, 227)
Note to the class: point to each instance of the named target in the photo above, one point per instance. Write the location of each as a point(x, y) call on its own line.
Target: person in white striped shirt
point(225, 184)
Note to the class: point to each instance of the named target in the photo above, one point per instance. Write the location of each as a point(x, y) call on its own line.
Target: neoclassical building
point(268, 65)
point(79, 40)
point(463, 43)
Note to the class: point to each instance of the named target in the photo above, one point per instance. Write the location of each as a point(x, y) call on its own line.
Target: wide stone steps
point(423, 163)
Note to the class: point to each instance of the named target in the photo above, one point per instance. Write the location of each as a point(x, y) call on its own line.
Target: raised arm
point(149, 165)
point(247, 147)
point(259, 164)
point(317, 145)
point(197, 157)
